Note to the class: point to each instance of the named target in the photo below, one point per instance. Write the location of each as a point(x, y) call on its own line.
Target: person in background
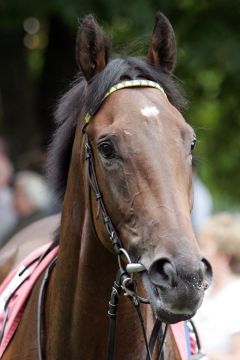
point(202, 205)
point(8, 216)
point(218, 319)
point(32, 199)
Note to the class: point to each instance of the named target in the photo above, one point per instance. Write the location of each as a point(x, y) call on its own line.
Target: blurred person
point(32, 199)
point(218, 319)
point(202, 206)
point(8, 216)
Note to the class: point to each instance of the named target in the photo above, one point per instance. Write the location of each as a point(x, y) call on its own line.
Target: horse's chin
point(160, 309)
point(167, 316)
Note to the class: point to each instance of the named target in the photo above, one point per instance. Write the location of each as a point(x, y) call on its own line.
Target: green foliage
point(208, 64)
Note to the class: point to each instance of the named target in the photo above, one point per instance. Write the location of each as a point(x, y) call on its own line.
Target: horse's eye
point(107, 150)
point(193, 144)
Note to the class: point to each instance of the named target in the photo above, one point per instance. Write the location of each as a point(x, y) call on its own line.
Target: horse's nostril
point(207, 273)
point(162, 273)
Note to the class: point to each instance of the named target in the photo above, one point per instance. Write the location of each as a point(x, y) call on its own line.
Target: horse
point(121, 162)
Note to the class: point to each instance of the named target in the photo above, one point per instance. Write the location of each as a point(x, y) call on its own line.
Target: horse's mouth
point(160, 309)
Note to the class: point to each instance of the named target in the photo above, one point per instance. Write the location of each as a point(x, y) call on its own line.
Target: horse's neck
point(80, 291)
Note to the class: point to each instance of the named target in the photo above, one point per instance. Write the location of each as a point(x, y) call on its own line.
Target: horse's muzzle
point(176, 290)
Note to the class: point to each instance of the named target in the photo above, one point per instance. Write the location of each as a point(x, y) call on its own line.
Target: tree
point(208, 64)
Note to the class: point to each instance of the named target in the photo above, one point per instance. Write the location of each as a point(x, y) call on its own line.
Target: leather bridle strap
point(123, 85)
point(154, 335)
point(92, 181)
point(40, 309)
point(112, 313)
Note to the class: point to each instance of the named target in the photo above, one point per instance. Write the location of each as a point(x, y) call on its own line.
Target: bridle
point(126, 268)
point(125, 275)
point(124, 279)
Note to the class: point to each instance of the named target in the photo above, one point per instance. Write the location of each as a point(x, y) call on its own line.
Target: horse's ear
point(92, 48)
point(162, 50)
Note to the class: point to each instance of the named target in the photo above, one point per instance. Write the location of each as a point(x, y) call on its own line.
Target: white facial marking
point(149, 111)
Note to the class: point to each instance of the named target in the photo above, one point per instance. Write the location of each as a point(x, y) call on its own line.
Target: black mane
point(86, 97)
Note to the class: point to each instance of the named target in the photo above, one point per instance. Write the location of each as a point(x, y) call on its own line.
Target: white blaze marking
point(150, 111)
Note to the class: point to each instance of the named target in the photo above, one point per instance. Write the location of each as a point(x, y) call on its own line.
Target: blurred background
point(37, 65)
point(37, 40)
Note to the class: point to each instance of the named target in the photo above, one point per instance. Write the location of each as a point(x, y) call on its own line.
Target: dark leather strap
point(40, 309)
point(92, 180)
point(112, 313)
point(154, 335)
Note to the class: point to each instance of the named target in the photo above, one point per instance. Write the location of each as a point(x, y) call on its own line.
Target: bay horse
point(121, 161)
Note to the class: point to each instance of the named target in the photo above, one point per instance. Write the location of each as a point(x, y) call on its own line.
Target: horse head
point(142, 151)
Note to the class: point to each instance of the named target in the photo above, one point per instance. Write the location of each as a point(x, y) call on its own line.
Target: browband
point(127, 84)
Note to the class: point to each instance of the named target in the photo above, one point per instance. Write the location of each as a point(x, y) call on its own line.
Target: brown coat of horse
point(142, 157)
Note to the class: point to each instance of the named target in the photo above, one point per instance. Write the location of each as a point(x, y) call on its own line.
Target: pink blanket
point(16, 288)
point(179, 334)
